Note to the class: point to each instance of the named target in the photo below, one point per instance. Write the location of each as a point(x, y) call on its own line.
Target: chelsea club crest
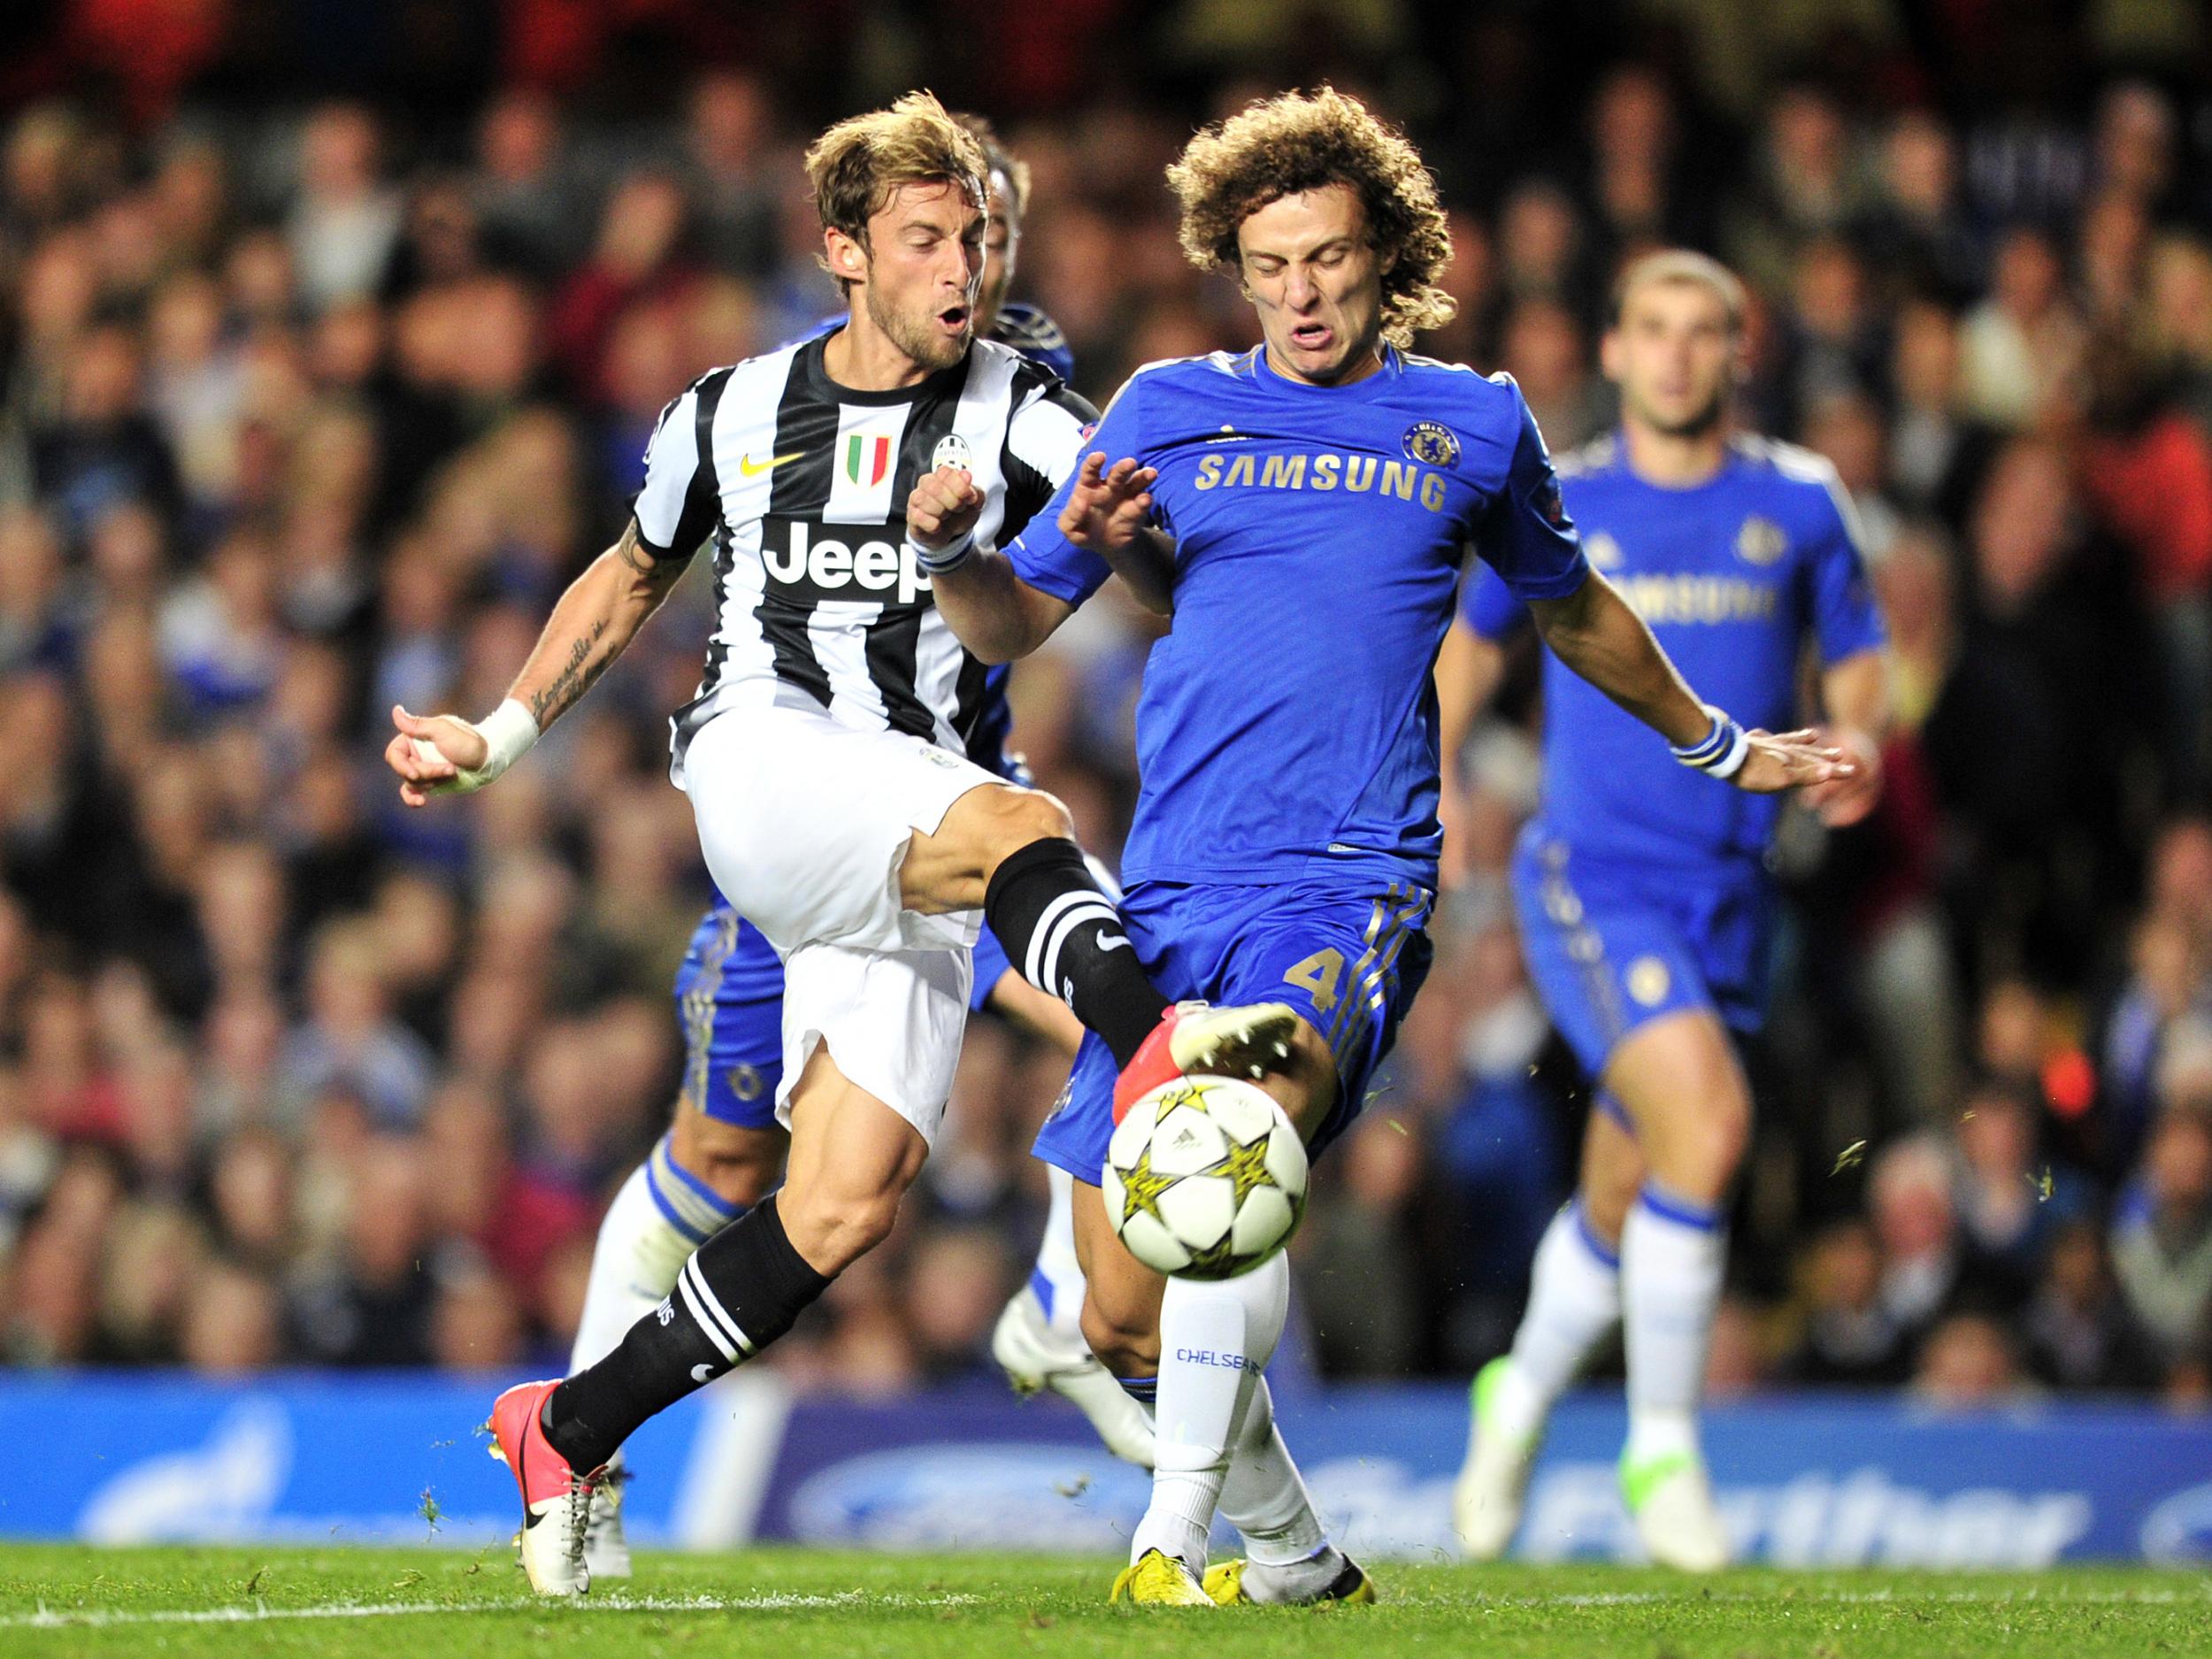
point(1431, 443)
point(1760, 541)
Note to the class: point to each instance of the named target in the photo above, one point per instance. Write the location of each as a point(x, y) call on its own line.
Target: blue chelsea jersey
point(1287, 724)
point(1731, 575)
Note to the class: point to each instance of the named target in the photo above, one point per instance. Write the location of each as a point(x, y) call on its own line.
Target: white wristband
point(937, 561)
point(1739, 751)
point(508, 733)
point(1722, 751)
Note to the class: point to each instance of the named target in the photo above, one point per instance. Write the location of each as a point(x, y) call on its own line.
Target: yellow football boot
point(1155, 1579)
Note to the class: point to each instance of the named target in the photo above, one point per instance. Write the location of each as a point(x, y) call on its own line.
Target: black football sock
point(1064, 935)
point(735, 1297)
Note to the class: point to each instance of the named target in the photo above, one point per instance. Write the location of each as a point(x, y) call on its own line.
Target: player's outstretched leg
point(1012, 853)
point(1038, 1341)
point(1574, 1301)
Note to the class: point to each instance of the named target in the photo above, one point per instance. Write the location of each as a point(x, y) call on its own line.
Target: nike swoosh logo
point(751, 468)
point(1113, 942)
point(703, 1373)
point(531, 1517)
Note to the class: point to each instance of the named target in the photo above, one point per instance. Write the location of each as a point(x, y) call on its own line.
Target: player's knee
point(1126, 1341)
point(744, 1179)
point(1606, 1199)
point(1706, 1152)
point(1019, 817)
point(1724, 1135)
point(742, 1165)
point(833, 1229)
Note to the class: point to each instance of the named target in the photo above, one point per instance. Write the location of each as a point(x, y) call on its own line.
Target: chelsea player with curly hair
point(1301, 511)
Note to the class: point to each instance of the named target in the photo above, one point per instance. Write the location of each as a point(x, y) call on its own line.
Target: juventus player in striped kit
point(724, 1150)
point(826, 756)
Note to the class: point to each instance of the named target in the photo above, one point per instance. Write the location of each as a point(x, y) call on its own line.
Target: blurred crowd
point(320, 373)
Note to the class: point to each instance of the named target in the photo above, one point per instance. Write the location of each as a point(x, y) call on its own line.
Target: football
point(1205, 1177)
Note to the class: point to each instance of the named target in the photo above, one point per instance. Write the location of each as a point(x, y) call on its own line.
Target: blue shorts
point(1612, 947)
point(729, 1003)
point(1347, 958)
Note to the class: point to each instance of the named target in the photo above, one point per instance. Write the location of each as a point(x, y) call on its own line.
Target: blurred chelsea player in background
point(1645, 906)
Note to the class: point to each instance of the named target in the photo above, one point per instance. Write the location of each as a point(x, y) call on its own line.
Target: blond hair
point(856, 166)
point(1686, 265)
point(1299, 141)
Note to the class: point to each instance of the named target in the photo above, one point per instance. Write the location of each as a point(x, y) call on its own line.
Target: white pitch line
point(44, 1619)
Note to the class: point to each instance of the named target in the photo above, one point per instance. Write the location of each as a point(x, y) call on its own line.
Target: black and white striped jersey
point(802, 484)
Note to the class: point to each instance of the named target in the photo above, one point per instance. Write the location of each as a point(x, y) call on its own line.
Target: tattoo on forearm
point(631, 553)
point(574, 679)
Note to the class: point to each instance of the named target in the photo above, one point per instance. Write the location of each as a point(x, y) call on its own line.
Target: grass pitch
point(796, 1604)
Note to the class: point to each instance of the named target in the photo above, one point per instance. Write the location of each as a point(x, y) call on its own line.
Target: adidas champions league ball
point(1205, 1177)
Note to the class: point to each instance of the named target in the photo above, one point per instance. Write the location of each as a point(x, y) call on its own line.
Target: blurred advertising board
point(1806, 1480)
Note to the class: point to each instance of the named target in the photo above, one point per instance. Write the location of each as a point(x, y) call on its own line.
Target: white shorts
point(804, 823)
point(892, 1020)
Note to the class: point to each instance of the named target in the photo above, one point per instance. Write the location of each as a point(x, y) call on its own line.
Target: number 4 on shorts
point(1318, 974)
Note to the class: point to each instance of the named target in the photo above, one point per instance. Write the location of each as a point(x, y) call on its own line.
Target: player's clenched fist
point(430, 755)
point(1108, 505)
point(446, 755)
point(943, 508)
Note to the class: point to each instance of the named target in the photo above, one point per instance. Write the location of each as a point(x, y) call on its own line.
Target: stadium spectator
point(1968, 1360)
point(2162, 1239)
point(1849, 1337)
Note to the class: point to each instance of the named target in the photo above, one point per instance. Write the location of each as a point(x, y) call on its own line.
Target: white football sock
point(1057, 1279)
point(1672, 1255)
point(1215, 1338)
point(1574, 1300)
point(660, 1216)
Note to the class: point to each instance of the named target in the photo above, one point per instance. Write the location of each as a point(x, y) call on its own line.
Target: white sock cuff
point(689, 1205)
point(1606, 1257)
point(1662, 1204)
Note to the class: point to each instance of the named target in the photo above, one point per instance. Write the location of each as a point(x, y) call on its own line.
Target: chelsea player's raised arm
point(1524, 536)
point(1103, 520)
point(1527, 537)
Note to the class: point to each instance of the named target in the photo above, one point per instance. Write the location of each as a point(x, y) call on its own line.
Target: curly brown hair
point(854, 166)
point(1298, 141)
